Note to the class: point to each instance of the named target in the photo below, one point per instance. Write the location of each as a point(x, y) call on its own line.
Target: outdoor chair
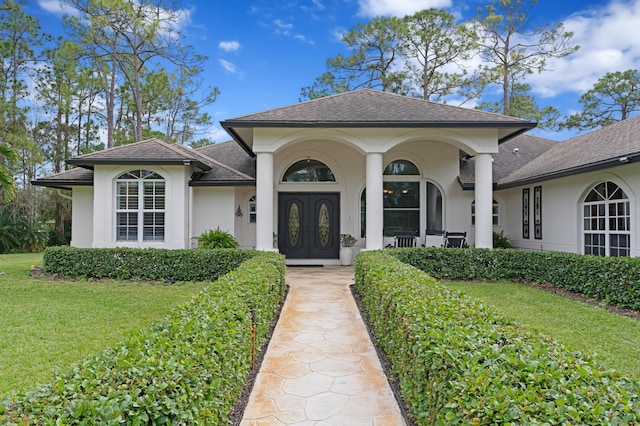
point(403, 241)
point(455, 239)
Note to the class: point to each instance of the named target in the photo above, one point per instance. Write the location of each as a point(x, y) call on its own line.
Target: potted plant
point(347, 241)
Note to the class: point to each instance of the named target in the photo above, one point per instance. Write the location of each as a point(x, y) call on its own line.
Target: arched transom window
point(309, 171)
point(140, 206)
point(607, 221)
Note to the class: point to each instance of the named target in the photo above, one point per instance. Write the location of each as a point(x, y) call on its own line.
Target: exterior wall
point(82, 217)
point(245, 231)
point(213, 207)
point(176, 206)
point(562, 209)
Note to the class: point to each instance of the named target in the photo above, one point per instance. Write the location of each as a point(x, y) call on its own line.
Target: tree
point(7, 183)
point(431, 43)
point(125, 37)
point(513, 48)
point(523, 105)
point(373, 62)
point(614, 97)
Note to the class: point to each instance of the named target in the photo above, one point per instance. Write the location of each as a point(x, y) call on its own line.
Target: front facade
point(366, 163)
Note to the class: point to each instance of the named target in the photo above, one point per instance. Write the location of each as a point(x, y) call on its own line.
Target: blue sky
point(262, 52)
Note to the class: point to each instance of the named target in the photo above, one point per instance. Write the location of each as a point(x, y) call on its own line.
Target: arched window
point(495, 213)
point(140, 206)
point(309, 171)
point(607, 221)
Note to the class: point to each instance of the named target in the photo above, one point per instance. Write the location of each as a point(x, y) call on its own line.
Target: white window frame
point(495, 213)
point(135, 207)
point(599, 219)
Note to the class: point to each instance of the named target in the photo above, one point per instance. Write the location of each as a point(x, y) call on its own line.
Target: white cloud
point(57, 7)
point(282, 25)
point(229, 46)
point(372, 8)
point(607, 36)
point(228, 66)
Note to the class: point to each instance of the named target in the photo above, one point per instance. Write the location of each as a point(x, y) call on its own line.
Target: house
point(367, 163)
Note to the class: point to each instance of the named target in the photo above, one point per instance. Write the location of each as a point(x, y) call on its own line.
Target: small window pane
point(309, 171)
point(401, 168)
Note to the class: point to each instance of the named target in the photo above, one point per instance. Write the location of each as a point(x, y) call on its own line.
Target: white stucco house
point(370, 164)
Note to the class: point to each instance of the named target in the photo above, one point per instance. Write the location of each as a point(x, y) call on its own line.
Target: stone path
point(320, 367)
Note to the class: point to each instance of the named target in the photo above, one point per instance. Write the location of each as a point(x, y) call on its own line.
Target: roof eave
point(522, 125)
point(592, 167)
point(67, 184)
point(222, 183)
point(89, 164)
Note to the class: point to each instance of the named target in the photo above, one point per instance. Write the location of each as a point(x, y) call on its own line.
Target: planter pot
point(346, 256)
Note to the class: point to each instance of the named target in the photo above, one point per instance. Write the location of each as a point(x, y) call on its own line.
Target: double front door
point(309, 225)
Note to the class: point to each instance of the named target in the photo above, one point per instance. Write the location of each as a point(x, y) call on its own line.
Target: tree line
point(430, 55)
point(121, 73)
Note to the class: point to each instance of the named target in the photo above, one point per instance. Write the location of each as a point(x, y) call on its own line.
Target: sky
point(262, 52)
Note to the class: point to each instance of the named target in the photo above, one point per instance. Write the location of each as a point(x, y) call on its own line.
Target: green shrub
point(188, 368)
point(501, 241)
point(143, 264)
point(216, 239)
point(613, 280)
point(458, 361)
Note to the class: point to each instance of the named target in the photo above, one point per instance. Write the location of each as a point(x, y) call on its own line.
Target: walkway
point(320, 367)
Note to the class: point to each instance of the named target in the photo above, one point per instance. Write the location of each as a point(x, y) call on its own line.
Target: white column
point(264, 201)
point(375, 216)
point(484, 201)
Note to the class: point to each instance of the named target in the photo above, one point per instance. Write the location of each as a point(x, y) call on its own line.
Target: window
point(140, 206)
point(402, 192)
point(252, 209)
point(495, 211)
point(309, 171)
point(607, 221)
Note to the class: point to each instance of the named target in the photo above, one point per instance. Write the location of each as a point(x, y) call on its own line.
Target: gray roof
point(150, 151)
point(65, 180)
point(512, 155)
point(212, 172)
point(372, 108)
point(231, 154)
point(608, 146)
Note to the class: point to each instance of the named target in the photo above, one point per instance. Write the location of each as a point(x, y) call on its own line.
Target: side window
point(251, 208)
point(495, 212)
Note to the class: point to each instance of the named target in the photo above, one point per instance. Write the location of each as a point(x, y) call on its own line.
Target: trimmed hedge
point(458, 361)
point(613, 280)
point(189, 368)
point(143, 264)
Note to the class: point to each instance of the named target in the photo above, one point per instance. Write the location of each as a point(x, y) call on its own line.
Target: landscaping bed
point(457, 361)
point(189, 368)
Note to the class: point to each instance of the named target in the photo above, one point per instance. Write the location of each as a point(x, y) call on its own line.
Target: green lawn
point(592, 330)
point(48, 325)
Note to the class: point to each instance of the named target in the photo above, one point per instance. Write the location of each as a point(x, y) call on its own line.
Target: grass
point(50, 325)
point(612, 338)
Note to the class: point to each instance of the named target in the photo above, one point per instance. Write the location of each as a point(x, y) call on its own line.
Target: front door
point(309, 225)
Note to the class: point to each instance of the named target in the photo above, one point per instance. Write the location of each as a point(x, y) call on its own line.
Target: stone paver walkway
point(320, 367)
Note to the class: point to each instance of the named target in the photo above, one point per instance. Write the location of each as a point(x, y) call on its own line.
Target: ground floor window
point(607, 221)
point(495, 213)
point(140, 206)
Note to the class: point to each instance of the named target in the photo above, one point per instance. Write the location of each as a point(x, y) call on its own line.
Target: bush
point(143, 264)
point(188, 368)
point(613, 280)
point(458, 361)
point(216, 239)
point(501, 241)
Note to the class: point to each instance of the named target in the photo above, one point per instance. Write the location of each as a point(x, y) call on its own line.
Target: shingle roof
point(65, 180)
point(601, 148)
point(512, 155)
point(372, 108)
point(150, 151)
point(155, 152)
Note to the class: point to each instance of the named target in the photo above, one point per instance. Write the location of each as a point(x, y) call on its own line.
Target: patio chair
point(403, 241)
point(455, 239)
